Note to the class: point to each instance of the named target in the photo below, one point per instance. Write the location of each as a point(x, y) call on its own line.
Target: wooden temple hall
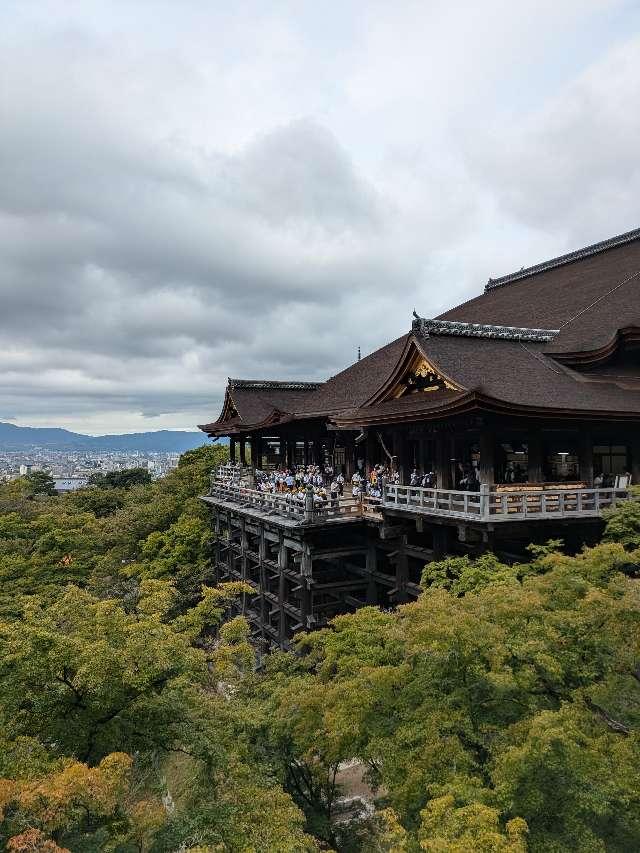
point(523, 404)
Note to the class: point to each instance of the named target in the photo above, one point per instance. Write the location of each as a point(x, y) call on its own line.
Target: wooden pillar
point(243, 559)
point(232, 450)
point(216, 547)
point(399, 451)
point(230, 557)
point(282, 458)
point(372, 565)
point(534, 456)
point(243, 454)
point(422, 456)
point(306, 572)
point(370, 451)
point(440, 542)
point(487, 456)
point(306, 453)
point(283, 558)
point(350, 451)
point(585, 457)
point(291, 454)
point(443, 461)
point(402, 573)
point(255, 451)
point(264, 604)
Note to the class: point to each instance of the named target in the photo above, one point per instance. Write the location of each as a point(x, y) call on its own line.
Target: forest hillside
point(498, 712)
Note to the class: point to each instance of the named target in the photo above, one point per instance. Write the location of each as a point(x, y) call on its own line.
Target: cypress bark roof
point(513, 346)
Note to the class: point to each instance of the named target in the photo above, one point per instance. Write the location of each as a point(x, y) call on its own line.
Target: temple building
point(523, 404)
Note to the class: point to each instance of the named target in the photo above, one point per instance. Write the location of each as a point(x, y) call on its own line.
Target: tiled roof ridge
point(424, 327)
point(561, 260)
point(266, 384)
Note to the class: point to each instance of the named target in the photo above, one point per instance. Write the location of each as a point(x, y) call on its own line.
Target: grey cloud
point(571, 168)
point(175, 209)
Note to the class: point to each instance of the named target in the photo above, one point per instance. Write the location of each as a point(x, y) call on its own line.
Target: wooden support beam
point(391, 531)
point(338, 585)
point(232, 450)
point(417, 553)
point(337, 553)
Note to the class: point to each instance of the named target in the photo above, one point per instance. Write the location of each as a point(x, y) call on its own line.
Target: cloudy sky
point(194, 190)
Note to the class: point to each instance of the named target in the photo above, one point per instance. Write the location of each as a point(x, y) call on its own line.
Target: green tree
point(505, 698)
point(124, 479)
point(40, 483)
point(86, 684)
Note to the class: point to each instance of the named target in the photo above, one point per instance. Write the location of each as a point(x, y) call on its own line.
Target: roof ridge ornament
point(456, 328)
point(561, 260)
point(264, 384)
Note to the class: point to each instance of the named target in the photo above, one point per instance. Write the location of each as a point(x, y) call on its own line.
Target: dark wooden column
point(283, 559)
point(372, 567)
point(232, 450)
point(443, 460)
point(306, 572)
point(440, 542)
point(401, 595)
point(534, 456)
point(349, 457)
point(585, 457)
point(243, 451)
point(256, 453)
point(369, 453)
point(264, 603)
point(291, 454)
point(282, 458)
point(306, 452)
point(487, 456)
point(399, 451)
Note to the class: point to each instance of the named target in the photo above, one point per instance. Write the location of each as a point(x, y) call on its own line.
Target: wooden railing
point(487, 505)
point(233, 484)
point(305, 508)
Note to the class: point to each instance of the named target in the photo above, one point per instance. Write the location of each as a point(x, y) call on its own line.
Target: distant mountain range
point(53, 438)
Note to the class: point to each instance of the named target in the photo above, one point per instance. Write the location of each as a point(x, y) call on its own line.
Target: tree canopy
point(499, 712)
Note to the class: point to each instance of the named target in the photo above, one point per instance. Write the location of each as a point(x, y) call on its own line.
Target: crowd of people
point(324, 481)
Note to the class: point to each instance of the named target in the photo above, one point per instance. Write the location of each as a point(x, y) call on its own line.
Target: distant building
point(70, 484)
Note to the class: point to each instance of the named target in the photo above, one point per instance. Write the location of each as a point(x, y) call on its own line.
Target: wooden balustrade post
point(308, 504)
point(485, 490)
